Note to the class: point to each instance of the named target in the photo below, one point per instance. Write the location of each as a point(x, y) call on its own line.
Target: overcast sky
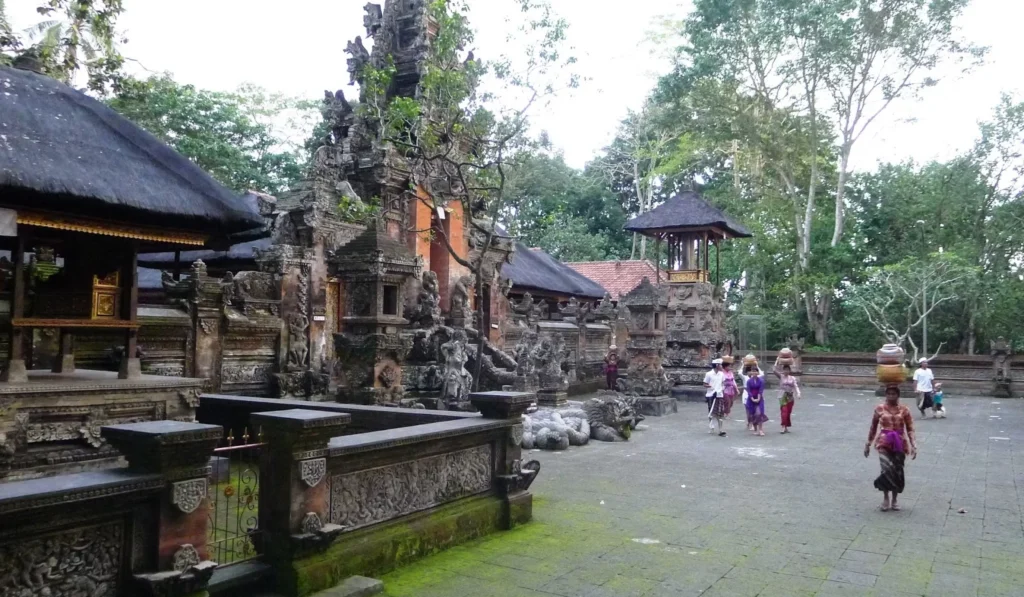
point(297, 47)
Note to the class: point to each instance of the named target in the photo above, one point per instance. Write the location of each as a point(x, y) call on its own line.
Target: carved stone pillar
point(294, 495)
point(513, 475)
point(180, 453)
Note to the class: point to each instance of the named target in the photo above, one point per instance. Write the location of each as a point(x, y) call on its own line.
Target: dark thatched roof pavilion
point(65, 153)
point(688, 225)
point(687, 210)
point(82, 191)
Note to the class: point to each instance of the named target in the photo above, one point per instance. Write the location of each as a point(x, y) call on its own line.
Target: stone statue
point(427, 313)
point(337, 113)
point(459, 301)
point(298, 348)
point(359, 58)
point(548, 358)
point(532, 311)
point(795, 343)
point(611, 419)
point(522, 353)
point(457, 381)
point(1001, 351)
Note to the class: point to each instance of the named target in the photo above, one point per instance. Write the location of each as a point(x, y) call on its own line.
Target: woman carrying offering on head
point(755, 402)
point(611, 367)
point(789, 391)
point(892, 432)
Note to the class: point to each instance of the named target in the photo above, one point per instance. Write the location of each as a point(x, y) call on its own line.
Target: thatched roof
point(533, 269)
point(240, 254)
point(686, 210)
point(65, 152)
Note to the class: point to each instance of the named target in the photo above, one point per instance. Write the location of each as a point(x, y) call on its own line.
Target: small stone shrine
point(645, 350)
point(693, 311)
point(1002, 351)
point(374, 269)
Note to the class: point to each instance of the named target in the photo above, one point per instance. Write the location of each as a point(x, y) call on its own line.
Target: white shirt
point(923, 378)
point(715, 379)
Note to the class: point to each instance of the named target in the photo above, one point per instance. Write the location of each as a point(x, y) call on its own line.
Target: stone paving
point(676, 511)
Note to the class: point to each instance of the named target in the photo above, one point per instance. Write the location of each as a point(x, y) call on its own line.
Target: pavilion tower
point(691, 230)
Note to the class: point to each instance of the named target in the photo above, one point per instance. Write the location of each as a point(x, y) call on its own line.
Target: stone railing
point(138, 530)
point(964, 375)
point(336, 505)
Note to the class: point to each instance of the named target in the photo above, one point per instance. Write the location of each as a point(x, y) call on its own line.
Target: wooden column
point(65, 361)
point(718, 274)
point(657, 261)
point(131, 368)
point(16, 370)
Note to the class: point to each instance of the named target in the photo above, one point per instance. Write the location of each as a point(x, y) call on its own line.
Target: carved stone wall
point(694, 331)
point(376, 495)
point(81, 562)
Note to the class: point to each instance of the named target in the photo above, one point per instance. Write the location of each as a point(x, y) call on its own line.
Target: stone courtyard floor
point(676, 511)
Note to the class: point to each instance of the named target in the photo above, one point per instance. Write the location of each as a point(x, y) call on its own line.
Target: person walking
point(789, 391)
point(938, 411)
point(745, 373)
point(714, 382)
point(755, 402)
point(892, 432)
point(611, 367)
point(923, 379)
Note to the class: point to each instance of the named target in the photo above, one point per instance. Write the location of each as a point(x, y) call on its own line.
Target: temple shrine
point(687, 327)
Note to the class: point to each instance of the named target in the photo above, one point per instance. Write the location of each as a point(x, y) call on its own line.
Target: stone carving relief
point(187, 495)
point(312, 471)
point(389, 376)
point(83, 562)
point(311, 523)
point(298, 346)
point(190, 397)
point(246, 373)
point(186, 557)
point(375, 495)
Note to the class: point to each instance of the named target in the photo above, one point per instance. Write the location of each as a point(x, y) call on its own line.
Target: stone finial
point(502, 405)
point(164, 446)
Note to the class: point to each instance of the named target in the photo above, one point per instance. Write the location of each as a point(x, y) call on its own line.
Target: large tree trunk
point(844, 164)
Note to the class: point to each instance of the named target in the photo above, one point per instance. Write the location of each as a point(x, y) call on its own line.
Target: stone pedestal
point(16, 372)
point(658, 406)
point(514, 476)
point(554, 398)
point(180, 453)
point(295, 497)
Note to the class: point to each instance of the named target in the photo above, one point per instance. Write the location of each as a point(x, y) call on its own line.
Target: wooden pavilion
point(82, 192)
point(689, 226)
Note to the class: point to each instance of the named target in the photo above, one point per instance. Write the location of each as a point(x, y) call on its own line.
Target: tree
point(803, 72)
point(75, 36)
point(247, 139)
point(456, 138)
point(638, 154)
point(897, 299)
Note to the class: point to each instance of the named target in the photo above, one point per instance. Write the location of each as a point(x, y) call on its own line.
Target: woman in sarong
point(755, 402)
point(892, 432)
point(789, 391)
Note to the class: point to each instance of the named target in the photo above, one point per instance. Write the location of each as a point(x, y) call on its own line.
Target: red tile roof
point(618, 277)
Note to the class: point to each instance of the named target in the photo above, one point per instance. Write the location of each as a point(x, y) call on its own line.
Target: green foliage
point(241, 138)
point(74, 36)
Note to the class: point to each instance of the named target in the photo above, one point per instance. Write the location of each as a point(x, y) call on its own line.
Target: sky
point(297, 48)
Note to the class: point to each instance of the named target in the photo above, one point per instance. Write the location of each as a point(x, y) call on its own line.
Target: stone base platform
point(689, 393)
point(554, 399)
point(52, 422)
point(658, 406)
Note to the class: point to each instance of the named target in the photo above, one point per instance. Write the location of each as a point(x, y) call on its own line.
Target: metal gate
point(752, 338)
point(233, 534)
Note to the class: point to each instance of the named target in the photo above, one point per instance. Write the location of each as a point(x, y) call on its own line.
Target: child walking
point(789, 391)
point(938, 411)
point(755, 402)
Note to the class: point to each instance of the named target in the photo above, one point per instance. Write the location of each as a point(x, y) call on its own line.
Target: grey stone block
point(355, 586)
